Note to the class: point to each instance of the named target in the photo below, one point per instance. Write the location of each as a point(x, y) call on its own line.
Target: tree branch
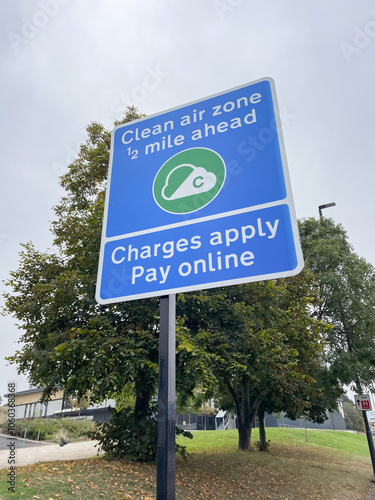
point(235, 398)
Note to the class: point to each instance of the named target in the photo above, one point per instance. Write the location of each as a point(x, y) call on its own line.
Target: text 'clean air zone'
point(169, 140)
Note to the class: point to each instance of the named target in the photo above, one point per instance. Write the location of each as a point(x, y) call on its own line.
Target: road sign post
point(370, 440)
point(363, 404)
point(166, 400)
point(197, 197)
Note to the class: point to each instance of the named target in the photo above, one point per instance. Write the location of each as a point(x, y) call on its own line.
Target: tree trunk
point(142, 402)
point(246, 417)
point(143, 395)
point(263, 446)
point(246, 411)
point(244, 436)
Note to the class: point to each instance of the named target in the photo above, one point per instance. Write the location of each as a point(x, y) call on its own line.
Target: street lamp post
point(327, 205)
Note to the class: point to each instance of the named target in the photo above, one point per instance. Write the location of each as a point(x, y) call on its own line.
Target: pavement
point(42, 452)
point(19, 442)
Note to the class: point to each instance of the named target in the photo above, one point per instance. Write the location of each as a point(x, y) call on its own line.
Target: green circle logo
point(189, 180)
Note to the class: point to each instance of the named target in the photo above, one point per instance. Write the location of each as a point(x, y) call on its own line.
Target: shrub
point(131, 436)
point(127, 435)
point(50, 428)
point(3, 414)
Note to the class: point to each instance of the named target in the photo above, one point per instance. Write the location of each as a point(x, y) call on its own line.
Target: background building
point(28, 405)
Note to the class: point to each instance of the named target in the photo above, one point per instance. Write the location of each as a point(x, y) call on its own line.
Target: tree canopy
point(68, 339)
point(346, 291)
point(266, 350)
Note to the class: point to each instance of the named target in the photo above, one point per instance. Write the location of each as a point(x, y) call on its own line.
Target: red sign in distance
point(363, 402)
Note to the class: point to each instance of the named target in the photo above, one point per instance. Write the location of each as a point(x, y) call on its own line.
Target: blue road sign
point(199, 197)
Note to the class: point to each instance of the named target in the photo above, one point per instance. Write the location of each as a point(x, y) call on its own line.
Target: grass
point(228, 440)
point(330, 466)
point(336, 440)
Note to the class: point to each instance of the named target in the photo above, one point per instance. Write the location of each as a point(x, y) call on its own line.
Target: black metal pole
point(166, 452)
point(369, 440)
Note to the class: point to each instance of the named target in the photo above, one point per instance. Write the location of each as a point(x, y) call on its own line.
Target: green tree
point(265, 347)
point(68, 339)
point(346, 288)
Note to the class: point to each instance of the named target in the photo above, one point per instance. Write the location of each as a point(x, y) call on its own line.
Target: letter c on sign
point(195, 183)
point(124, 139)
point(113, 257)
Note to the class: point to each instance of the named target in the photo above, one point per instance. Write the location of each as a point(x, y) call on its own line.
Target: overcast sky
point(65, 63)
